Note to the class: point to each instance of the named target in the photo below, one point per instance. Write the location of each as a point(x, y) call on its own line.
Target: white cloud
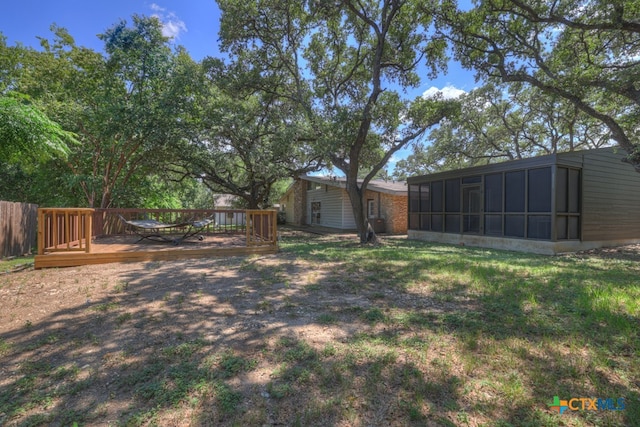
point(447, 92)
point(172, 26)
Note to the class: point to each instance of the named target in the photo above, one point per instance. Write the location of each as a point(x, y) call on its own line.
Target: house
point(323, 201)
point(550, 204)
point(232, 216)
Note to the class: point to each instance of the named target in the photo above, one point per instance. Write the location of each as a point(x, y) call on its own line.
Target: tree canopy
point(584, 51)
point(28, 136)
point(346, 65)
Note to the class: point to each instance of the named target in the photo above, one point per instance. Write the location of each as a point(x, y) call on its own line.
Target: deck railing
point(261, 227)
point(71, 229)
point(64, 230)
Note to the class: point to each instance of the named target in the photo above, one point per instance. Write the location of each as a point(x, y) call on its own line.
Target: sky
point(193, 24)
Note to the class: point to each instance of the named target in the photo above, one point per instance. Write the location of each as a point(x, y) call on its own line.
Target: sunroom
point(549, 204)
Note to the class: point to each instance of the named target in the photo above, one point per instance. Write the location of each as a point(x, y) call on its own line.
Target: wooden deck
point(125, 249)
point(64, 238)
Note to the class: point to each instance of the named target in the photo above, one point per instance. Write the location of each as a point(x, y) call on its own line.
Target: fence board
point(18, 228)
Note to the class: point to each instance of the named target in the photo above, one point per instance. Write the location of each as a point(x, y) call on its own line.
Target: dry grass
point(324, 333)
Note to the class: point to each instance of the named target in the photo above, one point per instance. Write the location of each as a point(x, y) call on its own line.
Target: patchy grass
point(16, 263)
point(331, 333)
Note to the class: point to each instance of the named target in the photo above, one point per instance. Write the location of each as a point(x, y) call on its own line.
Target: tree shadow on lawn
point(439, 336)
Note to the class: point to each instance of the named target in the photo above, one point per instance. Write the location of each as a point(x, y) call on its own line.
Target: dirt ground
point(100, 317)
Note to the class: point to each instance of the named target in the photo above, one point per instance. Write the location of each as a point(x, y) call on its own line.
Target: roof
point(570, 158)
point(224, 200)
point(389, 187)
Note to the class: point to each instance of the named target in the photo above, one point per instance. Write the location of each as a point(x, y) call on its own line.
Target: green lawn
point(416, 334)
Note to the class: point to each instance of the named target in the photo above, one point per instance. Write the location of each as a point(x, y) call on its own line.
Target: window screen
point(414, 198)
point(561, 227)
point(436, 222)
point(573, 228)
point(539, 193)
point(514, 225)
point(471, 223)
point(452, 223)
point(452, 195)
point(424, 198)
point(539, 227)
point(561, 190)
point(493, 193)
point(414, 221)
point(436, 196)
point(493, 225)
point(514, 191)
point(425, 223)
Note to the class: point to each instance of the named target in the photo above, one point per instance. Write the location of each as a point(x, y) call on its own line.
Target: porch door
point(471, 209)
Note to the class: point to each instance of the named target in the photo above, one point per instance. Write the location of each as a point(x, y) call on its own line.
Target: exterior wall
point(225, 218)
point(336, 211)
point(348, 220)
point(289, 206)
point(331, 206)
point(393, 209)
point(520, 245)
point(611, 198)
point(299, 203)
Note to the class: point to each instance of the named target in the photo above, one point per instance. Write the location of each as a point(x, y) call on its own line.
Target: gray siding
point(610, 197)
point(330, 199)
point(348, 220)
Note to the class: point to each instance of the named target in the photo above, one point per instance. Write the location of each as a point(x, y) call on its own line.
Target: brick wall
point(392, 208)
point(300, 202)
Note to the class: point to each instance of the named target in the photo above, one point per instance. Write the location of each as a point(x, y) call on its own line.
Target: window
point(493, 193)
point(315, 212)
point(371, 213)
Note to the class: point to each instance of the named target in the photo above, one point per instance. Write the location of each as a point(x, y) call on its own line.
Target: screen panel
point(493, 193)
point(539, 227)
point(561, 190)
point(452, 223)
point(425, 205)
point(514, 191)
point(539, 194)
point(452, 195)
point(436, 222)
point(514, 225)
point(414, 198)
point(436, 196)
point(493, 225)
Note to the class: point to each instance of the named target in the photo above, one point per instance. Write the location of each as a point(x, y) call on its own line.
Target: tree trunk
point(365, 231)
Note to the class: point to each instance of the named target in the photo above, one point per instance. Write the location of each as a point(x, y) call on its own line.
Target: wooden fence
point(18, 226)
